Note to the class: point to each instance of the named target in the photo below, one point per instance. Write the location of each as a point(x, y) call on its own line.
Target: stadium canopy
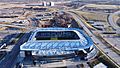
point(53, 44)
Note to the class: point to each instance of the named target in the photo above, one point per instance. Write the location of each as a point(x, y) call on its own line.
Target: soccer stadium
point(48, 44)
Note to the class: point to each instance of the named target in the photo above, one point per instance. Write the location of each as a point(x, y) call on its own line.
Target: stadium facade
point(59, 43)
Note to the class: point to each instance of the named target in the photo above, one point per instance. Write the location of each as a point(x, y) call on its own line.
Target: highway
point(10, 59)
point(110, 54)
point(112, 22)
point(113, 41)
point(83, 20)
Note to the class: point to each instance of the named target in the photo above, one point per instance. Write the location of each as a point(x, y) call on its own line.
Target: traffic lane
point(10, 58)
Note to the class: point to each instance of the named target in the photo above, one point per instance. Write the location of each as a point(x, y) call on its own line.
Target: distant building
point(52, 4)
point(48, 3)
point(44, 3)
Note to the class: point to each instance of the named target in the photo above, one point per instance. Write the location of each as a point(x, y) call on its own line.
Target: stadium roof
point(57, 45)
